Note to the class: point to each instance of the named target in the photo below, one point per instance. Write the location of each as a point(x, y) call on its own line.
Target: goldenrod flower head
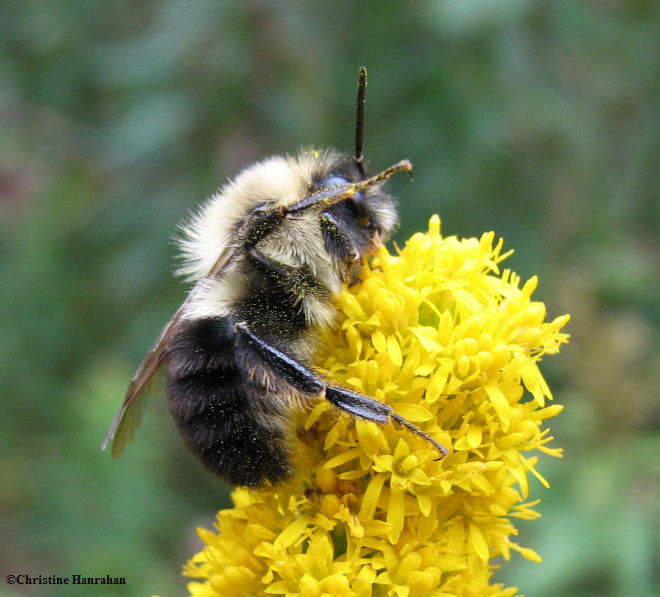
point(453, 344)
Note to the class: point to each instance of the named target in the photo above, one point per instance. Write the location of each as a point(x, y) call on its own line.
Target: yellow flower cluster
point(453, 344)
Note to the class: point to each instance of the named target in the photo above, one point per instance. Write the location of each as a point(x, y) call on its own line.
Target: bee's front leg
point(262, 222)
point(336, 241)
point(298, 280)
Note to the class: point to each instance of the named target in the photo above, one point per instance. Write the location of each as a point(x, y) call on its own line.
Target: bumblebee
point(267, 254)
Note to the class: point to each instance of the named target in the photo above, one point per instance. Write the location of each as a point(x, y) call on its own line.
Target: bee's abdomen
point(221, 413)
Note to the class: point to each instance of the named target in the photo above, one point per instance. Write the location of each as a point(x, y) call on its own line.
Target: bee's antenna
point(359, 119)
point(333, 195)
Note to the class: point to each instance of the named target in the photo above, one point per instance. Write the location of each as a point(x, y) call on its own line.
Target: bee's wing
point(128, 416)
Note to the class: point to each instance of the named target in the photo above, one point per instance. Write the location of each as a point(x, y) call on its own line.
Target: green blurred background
point(538, 120)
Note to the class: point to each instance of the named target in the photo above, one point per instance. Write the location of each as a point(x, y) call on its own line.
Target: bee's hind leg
point(295, 373)
point(307, 382)
point(373, 410)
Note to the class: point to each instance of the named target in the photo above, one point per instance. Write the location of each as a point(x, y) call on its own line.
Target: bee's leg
point(336, 241)
point(300, 280)
point(307, 382)
point(295, 373)
point(373, 410)
point(262, 221)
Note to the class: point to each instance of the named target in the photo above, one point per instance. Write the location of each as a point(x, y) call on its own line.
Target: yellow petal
point(415, 413)
point(371, 496)
point(477, 542)
point(437, 384)
point(394, 350)
point(395, 512)
point(500, 403)
point(292, 532)
point(379, 341)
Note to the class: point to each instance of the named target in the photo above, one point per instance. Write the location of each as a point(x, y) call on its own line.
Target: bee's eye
point(356, 202)
point(329, 182)
point(361, 213)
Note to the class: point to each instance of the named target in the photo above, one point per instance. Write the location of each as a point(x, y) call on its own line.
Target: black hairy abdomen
point(223, 414)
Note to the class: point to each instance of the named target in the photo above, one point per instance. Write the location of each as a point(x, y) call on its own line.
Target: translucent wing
point(128, 417)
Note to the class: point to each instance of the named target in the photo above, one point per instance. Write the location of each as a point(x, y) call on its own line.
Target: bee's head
point(368, 216)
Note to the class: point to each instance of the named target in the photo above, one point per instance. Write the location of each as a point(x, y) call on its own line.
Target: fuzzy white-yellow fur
point(297, 242)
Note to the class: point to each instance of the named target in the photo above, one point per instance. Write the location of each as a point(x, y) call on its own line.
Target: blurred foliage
point(536, 120)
